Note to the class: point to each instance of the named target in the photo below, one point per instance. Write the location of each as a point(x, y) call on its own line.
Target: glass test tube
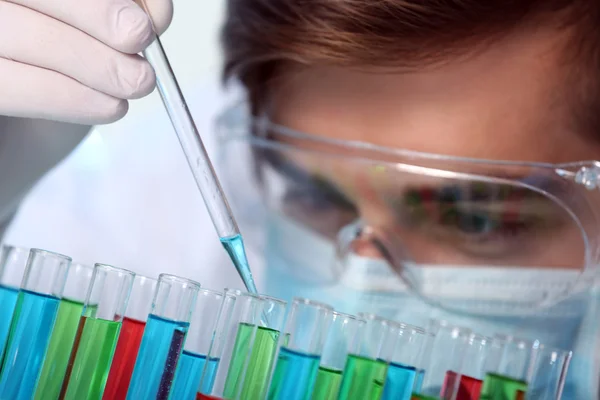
point(366, 366)
point(344, 332)
point(402, 371)
point(248, 350)
point(130, 337)
point(252, 361)
point(423, 361)
point(298, 360)
point(13, 261)
point(447, 354)
point(65, 329)
point(97, 333)
point(32, 323)
point(549, 373)
point(163, 339)
point(470, 379)
point(237, 308)
point(200, 336)
point(510, 367)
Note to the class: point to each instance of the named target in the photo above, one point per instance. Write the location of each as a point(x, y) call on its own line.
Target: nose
point(364, 241)
point(358, 239)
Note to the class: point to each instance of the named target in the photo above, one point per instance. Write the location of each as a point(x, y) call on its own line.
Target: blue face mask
point(299, 263)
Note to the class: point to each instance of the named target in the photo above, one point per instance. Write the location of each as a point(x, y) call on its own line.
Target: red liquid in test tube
point(468, 388)
point(520, 395)
point(200, 396)
point(124, 359)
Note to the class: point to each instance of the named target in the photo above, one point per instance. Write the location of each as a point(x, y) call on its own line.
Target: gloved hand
point(76, 60)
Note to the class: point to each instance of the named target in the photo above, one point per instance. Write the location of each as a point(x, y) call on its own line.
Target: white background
point(126, 196)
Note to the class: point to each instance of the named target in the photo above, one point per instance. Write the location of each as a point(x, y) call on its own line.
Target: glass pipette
point(198, 160)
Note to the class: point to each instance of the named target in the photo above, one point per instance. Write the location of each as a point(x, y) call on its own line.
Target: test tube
point(255, 360)
point(197, 345)
point(510, 367)
point(65, 330)
point(163, 338)
point(549, 373)
point(97, 333)
point(447, 354)
point(402, 371)
point(298, 360)
point(247, 352)
point(130, 337)
point(423, 362)
point(13, 261)
point(344, 332)
point(366, 366)
point(470, 379)
point(32, 323)
point(244, 310)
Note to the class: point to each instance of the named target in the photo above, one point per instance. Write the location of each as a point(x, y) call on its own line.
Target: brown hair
point(261, 34)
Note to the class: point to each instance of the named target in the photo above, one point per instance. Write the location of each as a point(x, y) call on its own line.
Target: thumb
point(160, 13)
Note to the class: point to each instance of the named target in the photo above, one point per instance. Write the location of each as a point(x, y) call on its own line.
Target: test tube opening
point(46, 272)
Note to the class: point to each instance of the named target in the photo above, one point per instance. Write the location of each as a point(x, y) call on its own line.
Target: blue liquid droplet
point(234, 245)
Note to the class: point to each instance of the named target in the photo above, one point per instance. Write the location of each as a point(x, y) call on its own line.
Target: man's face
point(505, 103)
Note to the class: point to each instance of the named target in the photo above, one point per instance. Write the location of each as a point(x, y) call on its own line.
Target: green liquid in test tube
point(327, 384)
point(97, 334)
point(343, 337)
point(70, 309)
point(367, 364)
point(259, 365)
point(363, 378)
point(499, 387)
point(510, 375)
point(61, 343)
point(246, 350)
point(94, 355)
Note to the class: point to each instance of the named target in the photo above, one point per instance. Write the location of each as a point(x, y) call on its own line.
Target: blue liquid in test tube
point(8, 300)
point(28, 340)
point(420, 375)
point(151, 362)
point(189, 373)
point(295, 375)
point(399, 382)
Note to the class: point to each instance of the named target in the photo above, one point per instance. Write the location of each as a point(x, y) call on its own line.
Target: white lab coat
point(28, 150)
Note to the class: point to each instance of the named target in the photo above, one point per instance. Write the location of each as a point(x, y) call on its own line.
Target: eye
point(486, 226)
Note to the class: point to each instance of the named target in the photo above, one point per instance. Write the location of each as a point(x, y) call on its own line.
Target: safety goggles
point(416, 210)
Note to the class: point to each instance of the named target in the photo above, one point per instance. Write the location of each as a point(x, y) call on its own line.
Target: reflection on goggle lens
point(438, 220)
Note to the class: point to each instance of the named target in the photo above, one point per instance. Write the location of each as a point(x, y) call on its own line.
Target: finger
point(160, 12)
point(32, 38)
point(32, 92)
point(121, 24)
